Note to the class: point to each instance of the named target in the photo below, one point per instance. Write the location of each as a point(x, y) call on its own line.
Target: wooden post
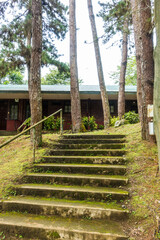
point(34, 144)
point(61, 123)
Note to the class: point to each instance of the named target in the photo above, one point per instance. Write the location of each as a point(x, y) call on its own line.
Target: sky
point(87, 70)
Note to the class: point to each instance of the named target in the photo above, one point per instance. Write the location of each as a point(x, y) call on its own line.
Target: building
point(14, 103)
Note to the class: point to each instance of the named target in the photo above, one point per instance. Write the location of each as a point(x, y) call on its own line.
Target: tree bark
point(75, 96)
point(147, 64)
point(104, 96)
point(121, 95)
point(157, 79)
point(35, 71)
point(141, 12)
point(136, 26)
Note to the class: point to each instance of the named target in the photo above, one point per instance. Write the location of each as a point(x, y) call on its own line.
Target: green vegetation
point(143, 175)
point(89, 123)
point(16, 159)
point(131, 72)
point(131, 117)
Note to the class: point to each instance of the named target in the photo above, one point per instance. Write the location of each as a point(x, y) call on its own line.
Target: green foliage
point(114, 14)
point(57, 77)
point(113, 120)
point(16, 32)
point(89, 123)
point(52, 123)
point(100, 126)
point(131, 72)
point(28, 122)
point(131, 117)
point(14, 77)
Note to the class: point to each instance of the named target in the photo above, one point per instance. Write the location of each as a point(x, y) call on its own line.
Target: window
point(112, 108)
point(67, 108)
point(28, 113)
point(14, 111)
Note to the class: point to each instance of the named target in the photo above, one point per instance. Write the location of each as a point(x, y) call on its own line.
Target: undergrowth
point(144, 178)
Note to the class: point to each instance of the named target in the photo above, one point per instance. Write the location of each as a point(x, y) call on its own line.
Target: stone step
point(65, 208)
point(71, 192)
point(88, 152)
point(76, 179)
point(91, 136)
point(91, 141)
point(90, 146)
point(85, 160)
point(81, 168)
point(49, 228)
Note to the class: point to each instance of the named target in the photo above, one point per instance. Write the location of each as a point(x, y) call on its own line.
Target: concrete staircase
point(74, 193)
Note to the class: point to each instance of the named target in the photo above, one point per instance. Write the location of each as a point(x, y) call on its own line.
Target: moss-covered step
point(51, 228)
point(81, 168)
point(65, 208)
point(88, 152)
point(71, 192)
point(91, 141)
point(76, 179)
point(90, 146)
point(85, 159)
point(91, 136)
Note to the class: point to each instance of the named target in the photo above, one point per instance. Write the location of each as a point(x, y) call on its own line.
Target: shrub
point(49, 124)
point(28, 122)
point(113, 120)
point(100, 126)
point(92, 123)
point(52, 123)
point(89, 123)
point(131, 117)
point(85, 122)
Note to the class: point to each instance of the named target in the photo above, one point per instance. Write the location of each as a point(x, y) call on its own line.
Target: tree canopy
point(15, 33)
point(131, 72)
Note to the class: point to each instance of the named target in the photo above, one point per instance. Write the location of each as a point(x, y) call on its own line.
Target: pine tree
point(75, 97)
point(104, 96)
point(117, 18)
point(16, 34)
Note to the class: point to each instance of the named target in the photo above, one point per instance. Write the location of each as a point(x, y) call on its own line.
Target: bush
point(89, 123)
point(131, 117)
point(49, 124)
point(100, 126)
point(113, 120)
point(52, 123)
point(28, 122)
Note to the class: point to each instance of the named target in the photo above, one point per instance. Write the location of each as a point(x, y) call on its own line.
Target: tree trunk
point(29, 60)
point(147, 64)
point(75, 97)
point(157, 79)
point(141, 11)
point(136, 26)
point(121, 95)
point(35, 71)
point(104, 96)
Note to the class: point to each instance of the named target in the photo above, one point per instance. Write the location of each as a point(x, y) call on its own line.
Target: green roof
point(88, 89)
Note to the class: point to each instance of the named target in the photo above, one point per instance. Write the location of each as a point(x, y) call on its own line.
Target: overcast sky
point(86, 57)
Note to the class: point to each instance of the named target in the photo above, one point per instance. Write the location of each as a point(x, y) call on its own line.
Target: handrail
point(35, 125)
point(18, 129)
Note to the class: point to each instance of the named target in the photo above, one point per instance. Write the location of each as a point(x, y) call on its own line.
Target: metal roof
point(92, 89)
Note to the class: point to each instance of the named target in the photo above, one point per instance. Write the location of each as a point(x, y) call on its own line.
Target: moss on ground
point(17, 158)
point(144, 188)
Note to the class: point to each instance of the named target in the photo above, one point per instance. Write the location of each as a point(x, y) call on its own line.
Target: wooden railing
point(33, 127)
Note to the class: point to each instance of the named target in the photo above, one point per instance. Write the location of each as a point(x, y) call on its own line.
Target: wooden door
point(3, 114)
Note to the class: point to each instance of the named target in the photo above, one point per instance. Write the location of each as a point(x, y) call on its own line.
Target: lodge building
point(14, 103)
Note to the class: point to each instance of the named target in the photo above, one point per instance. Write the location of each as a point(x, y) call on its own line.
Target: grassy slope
point(144, 202)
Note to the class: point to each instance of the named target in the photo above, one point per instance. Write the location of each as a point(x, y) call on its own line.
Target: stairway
point(74, 193)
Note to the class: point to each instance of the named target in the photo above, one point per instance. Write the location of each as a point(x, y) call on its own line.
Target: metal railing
point(33, 127)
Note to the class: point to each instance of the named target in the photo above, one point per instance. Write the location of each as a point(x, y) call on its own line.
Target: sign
point(150, 111)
